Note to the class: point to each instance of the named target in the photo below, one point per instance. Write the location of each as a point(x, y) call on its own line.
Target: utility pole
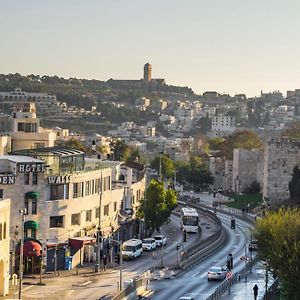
point(23, 213)
point(245, 263)
point(99, 239)
point(162, 254)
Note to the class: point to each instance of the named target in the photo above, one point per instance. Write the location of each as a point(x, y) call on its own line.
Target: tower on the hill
point(147, 72)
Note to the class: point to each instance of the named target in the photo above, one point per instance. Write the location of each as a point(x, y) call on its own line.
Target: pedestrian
point(255, 291)
point(104, 262)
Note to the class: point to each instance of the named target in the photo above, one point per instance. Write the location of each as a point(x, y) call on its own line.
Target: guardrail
point(225, 285)
point(130, 288)
point(201, 249)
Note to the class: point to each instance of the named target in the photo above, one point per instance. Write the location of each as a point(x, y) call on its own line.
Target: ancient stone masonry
point(247, 167)
point(280, 157)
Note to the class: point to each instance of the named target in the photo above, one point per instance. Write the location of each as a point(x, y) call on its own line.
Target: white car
point(186, 298)
point(149, 244)
point(160, 240)
point(216, 273)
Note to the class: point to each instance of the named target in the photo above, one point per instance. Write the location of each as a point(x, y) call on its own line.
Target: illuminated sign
point(7, 179)
point(59, 179)
point(31, 167)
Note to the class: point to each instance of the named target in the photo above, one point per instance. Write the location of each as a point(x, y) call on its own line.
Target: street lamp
point(22, 212)
point(99, 239)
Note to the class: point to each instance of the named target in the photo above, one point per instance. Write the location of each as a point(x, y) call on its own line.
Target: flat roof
point(20, 159)
point(58, 151)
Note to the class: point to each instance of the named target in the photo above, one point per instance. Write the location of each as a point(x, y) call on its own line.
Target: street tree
point(163, 164)
point(245, 139)
point(157, 205)
point(278, 236)
point(294, 186)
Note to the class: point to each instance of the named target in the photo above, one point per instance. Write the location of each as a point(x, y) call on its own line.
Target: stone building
point(4, 245)
point(280, 157)
point(247, 167)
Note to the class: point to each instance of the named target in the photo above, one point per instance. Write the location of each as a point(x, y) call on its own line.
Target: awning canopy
point(78, 242)
point(31, 225)
point(30, 248)
point(32, 195)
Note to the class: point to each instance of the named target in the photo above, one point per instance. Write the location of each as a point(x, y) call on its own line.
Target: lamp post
point(99, 239)
point(23, 213)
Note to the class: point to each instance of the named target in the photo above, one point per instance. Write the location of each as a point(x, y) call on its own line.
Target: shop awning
point(31, 225)
point(32, 195)
point(78, 242)
point(30, 248)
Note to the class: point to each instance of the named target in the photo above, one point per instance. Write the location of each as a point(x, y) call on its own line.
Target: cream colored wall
point(4, 247)
point(5, 144)
point(26, 140)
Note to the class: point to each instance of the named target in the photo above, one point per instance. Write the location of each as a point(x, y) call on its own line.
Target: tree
point(293, 131)
point(164, 164)
point(278, 236)
point(157, 205)
point(245, 139)
point(121, 151)
point(294, 186)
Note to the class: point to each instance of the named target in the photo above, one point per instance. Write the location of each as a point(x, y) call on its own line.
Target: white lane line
point(195, 274)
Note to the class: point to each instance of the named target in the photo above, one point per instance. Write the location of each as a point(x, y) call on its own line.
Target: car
point(217, 273)
point(186, 298)
point(160, 240)
point(149, 244)
point(253, 245)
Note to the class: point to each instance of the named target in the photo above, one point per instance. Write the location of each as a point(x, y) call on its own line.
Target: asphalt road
point(194, 281)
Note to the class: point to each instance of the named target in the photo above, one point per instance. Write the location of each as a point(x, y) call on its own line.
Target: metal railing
point(131, 288)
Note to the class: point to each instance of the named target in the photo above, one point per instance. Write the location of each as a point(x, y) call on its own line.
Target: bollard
point(77, 272)
point(239, 277)
point(58, 272)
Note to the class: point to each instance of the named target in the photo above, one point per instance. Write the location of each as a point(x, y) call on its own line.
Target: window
point(56, 221)
point(115, 206)
point(87, 188)
point(59, 191)
point(78, 190)
point(75, 219)
point(1, 193)
point(97, 212)
point(39, 145)
point(88, 216)
point(34, 207)
point(34, 178)
point(26, 204)
point(106, 210)
point(4, 230)
point(26, 178)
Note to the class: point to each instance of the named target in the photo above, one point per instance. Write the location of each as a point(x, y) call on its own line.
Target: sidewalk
point(244, 290)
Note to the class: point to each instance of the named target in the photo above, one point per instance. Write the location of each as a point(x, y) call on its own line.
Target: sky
point(229, 46)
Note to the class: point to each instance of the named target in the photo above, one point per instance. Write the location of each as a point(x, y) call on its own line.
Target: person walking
point(255, 291)
point(104, 262)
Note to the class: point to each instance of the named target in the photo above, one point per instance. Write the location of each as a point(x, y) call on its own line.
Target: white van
point(132, 249)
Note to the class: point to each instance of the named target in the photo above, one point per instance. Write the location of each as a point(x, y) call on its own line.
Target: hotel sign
point(59, 179)
point(7, 179)
point(31, 167)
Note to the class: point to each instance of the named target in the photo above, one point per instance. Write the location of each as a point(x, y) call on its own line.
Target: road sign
point(229, 275)
point(245, 258)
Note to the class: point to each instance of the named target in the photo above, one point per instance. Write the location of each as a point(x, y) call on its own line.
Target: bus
point(189, 219)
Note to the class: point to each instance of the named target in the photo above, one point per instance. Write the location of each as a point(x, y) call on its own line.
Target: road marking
point(195, 274)
point(24, 289)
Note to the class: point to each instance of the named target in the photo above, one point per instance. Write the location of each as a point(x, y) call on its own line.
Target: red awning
point(30, 249)
point(78, 242)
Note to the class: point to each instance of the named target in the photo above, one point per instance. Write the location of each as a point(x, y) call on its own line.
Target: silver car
point(216, 273)
point(149, 244)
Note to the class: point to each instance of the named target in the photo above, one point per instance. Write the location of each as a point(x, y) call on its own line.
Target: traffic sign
point(229, 275)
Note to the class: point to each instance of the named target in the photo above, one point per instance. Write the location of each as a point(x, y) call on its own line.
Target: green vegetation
point(242, 201)
point(163, 164)
point(157, 205)
point(278, 236)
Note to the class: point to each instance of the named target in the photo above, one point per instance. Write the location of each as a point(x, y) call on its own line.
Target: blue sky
point(230, 46)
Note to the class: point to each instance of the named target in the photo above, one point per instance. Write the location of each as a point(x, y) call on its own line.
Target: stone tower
point(147, 72)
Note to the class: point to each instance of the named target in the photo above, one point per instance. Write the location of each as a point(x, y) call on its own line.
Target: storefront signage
point(31, 167)
point(7, 179)
point(59, 179)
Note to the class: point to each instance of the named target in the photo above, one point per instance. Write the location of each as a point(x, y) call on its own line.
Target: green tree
point(164, 164)
point(157, 205)
point(294, 187)
point(278, 236)
point(293, 131)
point(121, 151)
point(215, 144)
point(245, 139)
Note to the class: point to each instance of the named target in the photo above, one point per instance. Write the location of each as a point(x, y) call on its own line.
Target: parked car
point(253, 245)
point(217, 273)
point(149, 244)
point(186, 298)
point(160, 240)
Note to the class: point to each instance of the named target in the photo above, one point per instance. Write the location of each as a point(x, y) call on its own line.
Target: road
point(96, 286)
point(194, 281)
